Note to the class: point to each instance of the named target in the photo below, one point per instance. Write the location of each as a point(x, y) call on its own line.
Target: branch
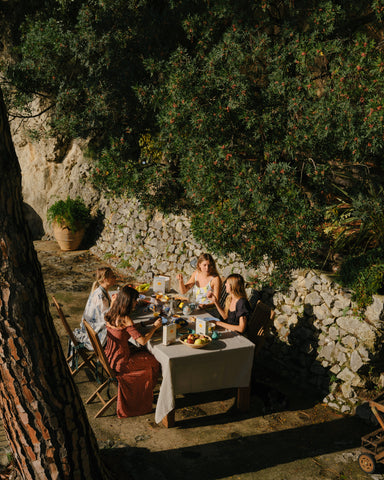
point(13, 116)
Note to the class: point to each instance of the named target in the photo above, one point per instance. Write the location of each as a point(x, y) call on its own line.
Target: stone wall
point(318, 336)
point(321, 338)
point(149, 243)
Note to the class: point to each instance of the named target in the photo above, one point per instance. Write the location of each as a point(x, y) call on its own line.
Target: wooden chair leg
point(107, 405)
point(96, 393)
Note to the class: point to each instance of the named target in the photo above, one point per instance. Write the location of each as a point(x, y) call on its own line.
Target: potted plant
point(69, 219)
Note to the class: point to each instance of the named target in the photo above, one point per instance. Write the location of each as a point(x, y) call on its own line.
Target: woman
point(98, 303)
point(203, 280)
point(136, 370)
point(237, 308)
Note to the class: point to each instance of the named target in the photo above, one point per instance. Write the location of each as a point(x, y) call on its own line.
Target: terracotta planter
point(66, 238)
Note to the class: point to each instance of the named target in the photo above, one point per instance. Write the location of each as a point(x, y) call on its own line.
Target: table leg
point(169, 420)
point(243, 398)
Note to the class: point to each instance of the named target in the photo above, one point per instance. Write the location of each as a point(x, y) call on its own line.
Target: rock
point(363, 353)
point(321, 311)
point(333, 333)
point(340, 357)
point(286, 309)
point(358, 328)
point(349, 341)
point(374, 311)
point(355, 361)
point(309, 282)
point(342, 302)
point(313, 299)
point(346, 375)
point(327, 352)
point(335, 369)
point(328, 299)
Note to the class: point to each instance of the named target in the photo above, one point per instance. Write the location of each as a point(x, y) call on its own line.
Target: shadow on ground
point(242, 454)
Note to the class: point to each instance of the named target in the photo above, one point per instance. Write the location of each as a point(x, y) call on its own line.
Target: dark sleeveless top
point(243, 309)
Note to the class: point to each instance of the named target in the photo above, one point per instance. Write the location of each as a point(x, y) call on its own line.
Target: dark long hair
point(122, 306)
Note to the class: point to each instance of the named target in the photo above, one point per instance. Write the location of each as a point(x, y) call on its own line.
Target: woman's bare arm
point(219, 308)
point(144, 339)
point(235, 328)
point(185, 287)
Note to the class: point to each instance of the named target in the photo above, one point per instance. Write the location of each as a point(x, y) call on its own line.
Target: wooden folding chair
point(78, 349)
point(259, 325)
point(102, 360)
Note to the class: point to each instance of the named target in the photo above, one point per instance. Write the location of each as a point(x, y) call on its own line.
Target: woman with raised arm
point(237, 308)
point(98, 303)
point(136, 370)
point(203, 280)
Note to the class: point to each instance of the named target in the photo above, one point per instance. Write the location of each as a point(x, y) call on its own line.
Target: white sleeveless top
point(201, 293)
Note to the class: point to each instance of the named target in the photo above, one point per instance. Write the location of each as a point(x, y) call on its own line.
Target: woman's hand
point(113, 298)
point(212, 296)
point(179, 277)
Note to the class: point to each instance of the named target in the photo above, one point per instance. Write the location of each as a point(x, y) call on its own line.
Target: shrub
point(71, 213)
point(364, 275)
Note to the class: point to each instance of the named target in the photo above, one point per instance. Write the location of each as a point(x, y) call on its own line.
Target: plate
point(181, 322)
point(192, 345)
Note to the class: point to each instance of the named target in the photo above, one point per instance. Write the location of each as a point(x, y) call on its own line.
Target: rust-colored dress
point(137, 372)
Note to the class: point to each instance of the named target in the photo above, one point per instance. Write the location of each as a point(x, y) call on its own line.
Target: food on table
point(196, 339)
point(143, 287)
point(181, 321)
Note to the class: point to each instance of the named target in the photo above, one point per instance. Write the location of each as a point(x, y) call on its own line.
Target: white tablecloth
point(224, 363)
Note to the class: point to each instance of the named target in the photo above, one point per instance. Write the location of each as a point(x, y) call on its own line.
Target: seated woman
point(203, 280)
point(98, 303)
point(136, 370)
point(237, 308)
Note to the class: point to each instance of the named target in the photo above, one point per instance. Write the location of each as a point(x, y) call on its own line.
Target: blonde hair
point(102, 274)
point(237, 284)
point(212, 265)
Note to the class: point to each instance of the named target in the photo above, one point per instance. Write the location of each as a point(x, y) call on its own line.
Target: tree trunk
point(43, 414)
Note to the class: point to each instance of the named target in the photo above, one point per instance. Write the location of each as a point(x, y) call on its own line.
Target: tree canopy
point(264, 120)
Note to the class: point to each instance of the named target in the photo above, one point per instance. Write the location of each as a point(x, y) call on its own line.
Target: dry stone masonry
point(321, 338)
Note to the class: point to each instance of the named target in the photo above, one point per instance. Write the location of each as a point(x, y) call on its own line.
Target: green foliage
point(264, 120)
point(357, 223)
point(365, 275)
point(71, 213)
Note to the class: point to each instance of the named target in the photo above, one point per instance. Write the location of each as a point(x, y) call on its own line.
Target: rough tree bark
point(43, 414)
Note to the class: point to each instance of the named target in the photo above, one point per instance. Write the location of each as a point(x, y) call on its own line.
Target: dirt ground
point(288, 434)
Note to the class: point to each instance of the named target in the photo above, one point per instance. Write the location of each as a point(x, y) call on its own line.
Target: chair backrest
point(223, 295)
point(254, 298)
point(65, 323)
point(259, 324)
point(98, 349)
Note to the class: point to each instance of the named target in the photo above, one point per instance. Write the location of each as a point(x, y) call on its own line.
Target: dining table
point(223, 363)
